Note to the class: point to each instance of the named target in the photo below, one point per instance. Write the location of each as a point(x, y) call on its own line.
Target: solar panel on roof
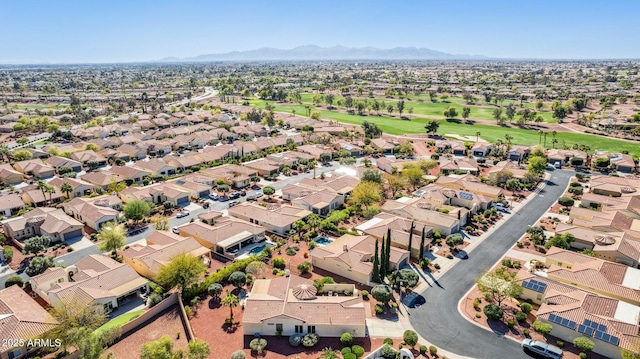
point(585, 330)
point(552, 318)
point(602, 327)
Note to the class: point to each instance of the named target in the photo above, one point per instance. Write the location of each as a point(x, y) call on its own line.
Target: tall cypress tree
point(411, 238)
point(421, 255)
point(387, 252)
point(375, 273)
point(383, 262)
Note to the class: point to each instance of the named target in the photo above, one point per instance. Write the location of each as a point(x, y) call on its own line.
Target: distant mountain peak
point(314, 52)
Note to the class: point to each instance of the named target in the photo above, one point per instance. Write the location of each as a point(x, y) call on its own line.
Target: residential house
point(134, 152)
point(94, 212)
point(354, 151)
point(455, 147)
point(94, 280)
point(158, 193)
point(389, 165)
point(613, 280)
point(379, 226)
point(35, 168)
point(351, 257)
point(227, 237)
point(481, 149)
point(22, 318)
point(130, 174)
point(196, 190)
point(425, 212)
point(238, 176)
point(614, 186)
point(444, 196)
point(459, 164)
point(87, 157)
point(470, 183)
point(11, 204)
point(80, 187)
point(275, 218)
point(291, 304)
point(36, 198)
point(319, 202)
point(518, 153)
point(618, 161)
point(565, 156)
point(381, 145)
point(508, 166)
point(160, 248)
point(101, 179)
point(610, 323)
point(58, 162)
point(183, 163)
point(9, 176)
point(156, 167)
point(44, 221)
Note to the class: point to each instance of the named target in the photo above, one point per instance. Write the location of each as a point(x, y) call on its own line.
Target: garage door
point(74, 234)
point(182, 202)
point(204, 194)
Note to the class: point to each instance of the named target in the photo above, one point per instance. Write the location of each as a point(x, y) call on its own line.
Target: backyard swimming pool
point(259, 249)
point(322, 240)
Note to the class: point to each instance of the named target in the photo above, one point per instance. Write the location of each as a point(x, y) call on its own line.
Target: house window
point(15, 353)
point(539, 297)
point(311, 328)
point(279, 327)
point(299, 329)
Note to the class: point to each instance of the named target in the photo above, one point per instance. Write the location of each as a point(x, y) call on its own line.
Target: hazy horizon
point(76, 32)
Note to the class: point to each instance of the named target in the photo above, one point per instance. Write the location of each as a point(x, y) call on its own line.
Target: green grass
point(433, 110)
point(120, 320)
point(396, 126)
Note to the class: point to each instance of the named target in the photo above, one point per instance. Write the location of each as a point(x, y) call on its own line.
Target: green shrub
point(290, 251)
point(582, 355)
point(423, 349)
point(7, 252)
point(410, 338)
point(349, 355)
point(526, 307)
point(559, 343)
point(476, 303)
point(521, 316)
point(14, 280)
point(238, 354)
point(493, 311)
point(511, 322)
point(346, 350)
point(357, 350)
point(365, 294)
point(478, 315)
point(304, 267)
point(527, 333)
point(346, 339)
point(154, 299)
point(542, 328)
point(584, 344)
point(278, 263)
point(433, 350)
point(388, 341)
point(388, 352)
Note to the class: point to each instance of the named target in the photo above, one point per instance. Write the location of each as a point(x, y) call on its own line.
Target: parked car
point(214, 197)
point(500, 207)
point(234, 195)
point(259, 194)
point(205, 205)
point(233, 203)
point(541, 348)
point(557, 165)
point(251, 198)
point(175, 230)
point(182, 214)
point(224, 199)
point(243, 193)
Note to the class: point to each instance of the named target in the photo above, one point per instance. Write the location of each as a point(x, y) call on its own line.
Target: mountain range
point(312, 52)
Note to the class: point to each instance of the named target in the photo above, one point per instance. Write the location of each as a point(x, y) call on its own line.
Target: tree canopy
point(112, 237)
point(182, 271)
point(136, 210)
point(499, 285)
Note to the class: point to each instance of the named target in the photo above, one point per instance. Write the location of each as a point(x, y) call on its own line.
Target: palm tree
point(545, 139)
point(313, 164)
point(66, 188)
point(50, 190)
point(540, 132)
point(313, 221)
point(230, 301)
point(42, 186)
point(329, 353)
point(477, 136)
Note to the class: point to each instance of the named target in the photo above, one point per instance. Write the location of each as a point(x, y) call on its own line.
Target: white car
point(182, 214)
point(175, 230)
point(542, 348)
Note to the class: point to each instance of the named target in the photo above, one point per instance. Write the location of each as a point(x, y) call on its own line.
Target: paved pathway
point(439, 319)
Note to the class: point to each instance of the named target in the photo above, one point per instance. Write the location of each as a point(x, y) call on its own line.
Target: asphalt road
point(439, 320)
point(75, 256)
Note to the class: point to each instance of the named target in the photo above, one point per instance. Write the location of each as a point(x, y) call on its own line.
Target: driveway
point(439, 320)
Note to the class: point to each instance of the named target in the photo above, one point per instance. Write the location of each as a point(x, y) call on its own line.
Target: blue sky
point(141, 30)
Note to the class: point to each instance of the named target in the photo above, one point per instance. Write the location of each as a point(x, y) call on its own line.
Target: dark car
point(224, 199)
point(243, 193)
point(234, 195)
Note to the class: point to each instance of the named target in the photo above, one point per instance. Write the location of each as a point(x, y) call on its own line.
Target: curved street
point(439, 320)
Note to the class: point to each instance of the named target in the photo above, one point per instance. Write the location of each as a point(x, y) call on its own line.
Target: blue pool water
point(258, 249)
point(322, 240)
